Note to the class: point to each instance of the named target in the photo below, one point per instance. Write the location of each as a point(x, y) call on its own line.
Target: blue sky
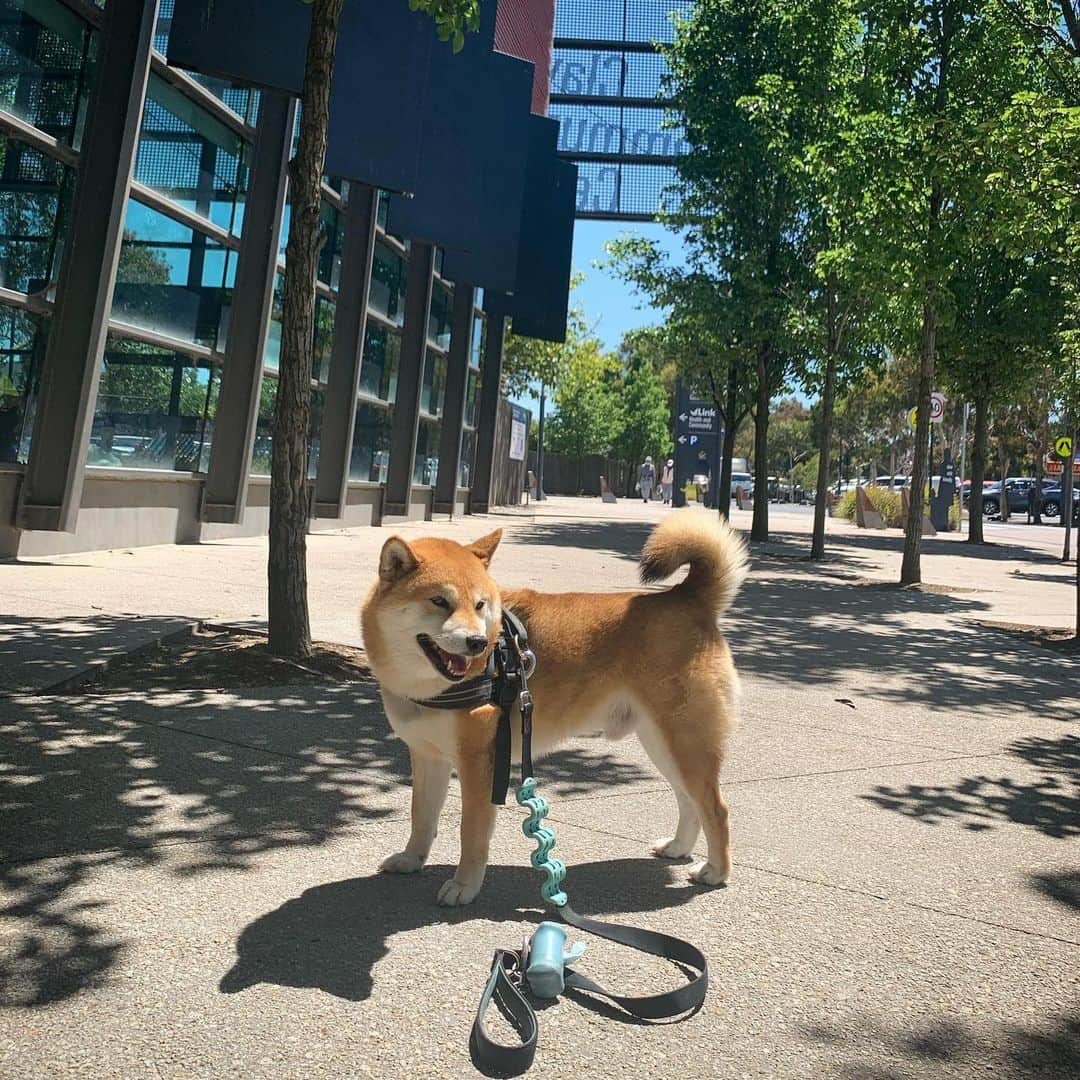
point(612, 307)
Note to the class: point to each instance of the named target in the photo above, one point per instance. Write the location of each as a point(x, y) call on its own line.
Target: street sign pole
point(697, 429)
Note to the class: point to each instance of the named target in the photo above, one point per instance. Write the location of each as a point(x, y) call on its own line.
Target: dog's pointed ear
point(485, 547)
point(396, 560)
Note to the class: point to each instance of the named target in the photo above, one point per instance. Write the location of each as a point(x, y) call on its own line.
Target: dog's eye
point(440, 601)
point(479, 605)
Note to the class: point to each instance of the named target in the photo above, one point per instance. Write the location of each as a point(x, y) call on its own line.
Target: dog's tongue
point(456, 665)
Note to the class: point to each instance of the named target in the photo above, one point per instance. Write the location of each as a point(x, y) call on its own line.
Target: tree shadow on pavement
point(185, 783)
point(810, 630)
point(1050, 803)
point(1063, 887)
point(956, 1048)
point(622, 538)
point(332, 936)
point(38, 652)
point(893, 540)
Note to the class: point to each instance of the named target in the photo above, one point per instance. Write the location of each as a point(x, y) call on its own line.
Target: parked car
point(895, 482)
point(1019, 491)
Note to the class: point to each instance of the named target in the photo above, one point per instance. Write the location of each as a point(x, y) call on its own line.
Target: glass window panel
point(332, 223)
point(333, 227)
point(264, 428)
point(439, 317)
point(468, 456)
point(472, 399)
point(381, 207)
point(382, 356)
point(371, 443)
point(479, 337)
point(189, 156)
point(35, 196)
point(22, 347)
point(387, 293)
point(172, 280)
point(426, 461)
point(152, 408)
point(272, 352)
point(433, 389)
point(318, 401)
point(325, 310)
point(46, 53)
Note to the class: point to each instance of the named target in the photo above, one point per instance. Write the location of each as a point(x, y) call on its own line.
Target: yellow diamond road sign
point(1063, 446)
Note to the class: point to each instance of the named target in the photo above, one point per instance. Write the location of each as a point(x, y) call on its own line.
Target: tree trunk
point(290, 631)
point(759, 529)
point(1036, 495)
point(978, 471)
point(828, 402)
point(1067, 508)
point(911, 570)
point(540, 449)
point(727, 450)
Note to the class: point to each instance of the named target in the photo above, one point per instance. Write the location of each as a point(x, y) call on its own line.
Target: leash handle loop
point(507, 970)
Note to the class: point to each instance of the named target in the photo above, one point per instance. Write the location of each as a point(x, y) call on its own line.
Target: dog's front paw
point(455, 894)
point(669, 847)
point(404, 862)
point(707, 873)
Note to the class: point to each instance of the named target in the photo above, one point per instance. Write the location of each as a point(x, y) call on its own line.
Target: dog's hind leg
point(694, 749)
point(686, 832)
point(430, 781)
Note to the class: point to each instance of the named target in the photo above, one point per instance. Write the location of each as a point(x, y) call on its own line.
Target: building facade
point(108, 157)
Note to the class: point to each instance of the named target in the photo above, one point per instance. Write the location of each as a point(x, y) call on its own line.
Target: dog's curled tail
point(715, 551)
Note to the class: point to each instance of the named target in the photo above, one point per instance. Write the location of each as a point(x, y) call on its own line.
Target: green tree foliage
point(529, 363)
point(589, 416)
point(643, 401)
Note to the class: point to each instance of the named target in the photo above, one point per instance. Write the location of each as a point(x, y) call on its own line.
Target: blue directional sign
point(697, 429)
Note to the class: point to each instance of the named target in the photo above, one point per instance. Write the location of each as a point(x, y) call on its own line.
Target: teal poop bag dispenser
point(547, 959)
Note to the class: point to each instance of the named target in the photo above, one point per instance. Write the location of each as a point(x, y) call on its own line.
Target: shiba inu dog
point(654, 663)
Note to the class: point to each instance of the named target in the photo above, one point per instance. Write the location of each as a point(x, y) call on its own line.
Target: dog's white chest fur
point(426, 729)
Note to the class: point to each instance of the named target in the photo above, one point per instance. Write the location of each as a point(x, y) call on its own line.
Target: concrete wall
point(122, 508)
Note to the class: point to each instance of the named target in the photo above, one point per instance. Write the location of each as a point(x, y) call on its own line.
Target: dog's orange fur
point(652, 662)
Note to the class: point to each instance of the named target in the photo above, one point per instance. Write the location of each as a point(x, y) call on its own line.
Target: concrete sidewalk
point(189, 878)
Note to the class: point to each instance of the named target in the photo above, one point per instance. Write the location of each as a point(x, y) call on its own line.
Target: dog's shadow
point(331, 936)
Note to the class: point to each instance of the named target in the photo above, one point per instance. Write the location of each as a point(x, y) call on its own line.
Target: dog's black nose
point(476, 643)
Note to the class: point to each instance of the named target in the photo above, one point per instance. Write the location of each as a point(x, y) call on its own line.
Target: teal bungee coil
point(553, 869)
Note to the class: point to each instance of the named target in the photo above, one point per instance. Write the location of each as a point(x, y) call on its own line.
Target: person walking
point(702, 475)
point(646, 479)
point(667, 480)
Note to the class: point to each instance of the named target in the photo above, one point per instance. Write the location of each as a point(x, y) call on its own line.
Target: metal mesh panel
point(609, 102)
point(615, 190)
point(616, 20)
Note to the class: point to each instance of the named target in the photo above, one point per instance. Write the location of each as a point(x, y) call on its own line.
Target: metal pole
point(963, 460)
point(540, 449)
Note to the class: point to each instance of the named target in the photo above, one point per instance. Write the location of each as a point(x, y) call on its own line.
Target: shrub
point(885, 502)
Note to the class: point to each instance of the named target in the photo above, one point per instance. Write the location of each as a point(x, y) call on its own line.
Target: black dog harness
point(504, 683)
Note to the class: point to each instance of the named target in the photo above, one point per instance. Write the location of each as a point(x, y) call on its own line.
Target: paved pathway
point(189, 878)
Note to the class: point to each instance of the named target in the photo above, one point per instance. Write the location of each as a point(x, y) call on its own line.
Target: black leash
point(513, 662)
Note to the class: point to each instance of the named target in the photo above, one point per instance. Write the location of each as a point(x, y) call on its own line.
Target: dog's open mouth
point(448, 665)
